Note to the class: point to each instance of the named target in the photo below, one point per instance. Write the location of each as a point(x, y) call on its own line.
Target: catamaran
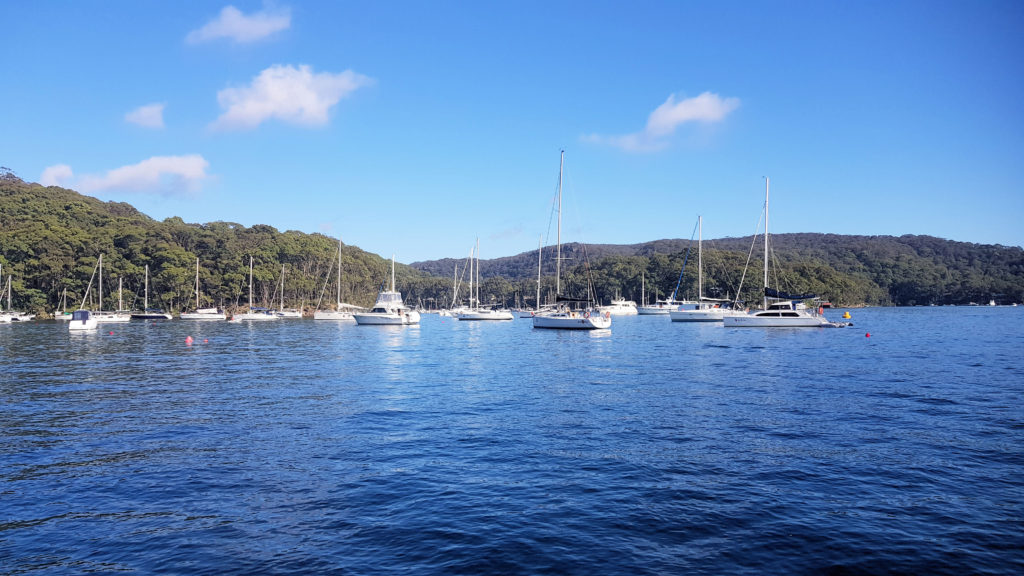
point(563, 317)
point(210, 313)
point(785, 310)
point(388, 309)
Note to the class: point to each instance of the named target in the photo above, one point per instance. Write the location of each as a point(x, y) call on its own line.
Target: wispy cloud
point(708, 108)
point(167, 175)
point(290, 94)
point(58, 175)
point(148, 116)
point(232, 24)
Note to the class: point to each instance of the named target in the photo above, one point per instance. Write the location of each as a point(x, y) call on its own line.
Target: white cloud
point(293, 95)
point(234, 25)
point(57, 175)
point(170, 175)
point(707, 108)
point(148, 116)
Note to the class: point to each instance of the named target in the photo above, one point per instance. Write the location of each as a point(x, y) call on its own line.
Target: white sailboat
point(286, 312)
point(388, 309)
point(523, 312)
point(343, 311)
point(61, 313)
point(83, 320)
point(563, 317)
point(785, 310)
point(103, 317)
point(210, 313)
point(707, 310)
point(254, 314)
point(475, 311)
point(148, 313)
point(12, 315)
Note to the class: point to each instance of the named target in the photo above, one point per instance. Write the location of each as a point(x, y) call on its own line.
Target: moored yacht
point(389, 308)
point(476, 312)
point(209, 313)
point(620, 307)
point(254, 314)
point(82, 320)
point(343, 311)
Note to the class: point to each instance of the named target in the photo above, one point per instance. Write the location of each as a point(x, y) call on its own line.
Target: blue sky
point(414, 127)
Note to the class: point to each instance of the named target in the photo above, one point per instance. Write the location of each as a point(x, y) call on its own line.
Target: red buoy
point(188, 340)
point(867, 335)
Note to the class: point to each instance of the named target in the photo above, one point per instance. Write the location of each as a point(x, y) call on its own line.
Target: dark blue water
point(493, 448)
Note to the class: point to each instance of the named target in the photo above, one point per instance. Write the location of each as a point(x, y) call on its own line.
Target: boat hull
point(753, 321)
point(572, 321)
point(333, 315)
point(485, 315)
point(203, 316)
point(387, 318)
point(254, 317)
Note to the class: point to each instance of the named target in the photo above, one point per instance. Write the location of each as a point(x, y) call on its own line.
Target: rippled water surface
point(480, 448)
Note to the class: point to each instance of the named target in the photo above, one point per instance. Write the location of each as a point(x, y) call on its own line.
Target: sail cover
point(773, 293)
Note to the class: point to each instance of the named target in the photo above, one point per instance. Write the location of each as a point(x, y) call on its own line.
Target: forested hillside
point(51, 238)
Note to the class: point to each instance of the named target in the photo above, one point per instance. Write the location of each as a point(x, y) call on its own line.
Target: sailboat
point(118, 316)
point(254, 314)
point(475, 311)
point(212, 313)
point(710, 309)
point(388, 309)
point(342, 311)
point(784, 310)
point(563, 317)
point(61, 313)
point(83, 320)
point(147, 312)
point(283, 312)
point(12, 315)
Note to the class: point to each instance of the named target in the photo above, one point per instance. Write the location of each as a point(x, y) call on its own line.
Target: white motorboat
point(476, 312)
point(82, 320)
point(787, 310)
point(343, 312)
point(209, 313)
point(254, 314)
point(148, 313)
point(563, 317)
point(389, 308)
point(620, 307)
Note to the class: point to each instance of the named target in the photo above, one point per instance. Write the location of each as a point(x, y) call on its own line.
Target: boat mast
point(339, 273)
point(540, 243)
point(700, 267)
point(250, 283)
point(145, 299)
point(766, 241)
point(472, 295)
point(392, 272)
point(197, 283)
point(120, 285)
point(101, 282)
point(282, 287)
point(478, 273)
point(558, 255)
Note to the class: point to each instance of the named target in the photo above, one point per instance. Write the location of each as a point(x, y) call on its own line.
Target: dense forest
point(51, 239)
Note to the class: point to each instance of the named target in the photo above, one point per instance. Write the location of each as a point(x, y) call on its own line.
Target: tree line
point(51, 239)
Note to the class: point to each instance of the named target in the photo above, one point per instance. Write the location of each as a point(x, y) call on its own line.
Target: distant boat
point(388, 309)
point(787, 310)
point(707, 310)
point(12, 315)
point(61, 313)
point(283, 312)
point(254, 314)
point(147, 313)
point(82, 320)
point(476, 312)
point(211, 313)
point(564, 317)
point(342, 311)
point(620, 307)
point(108, 317)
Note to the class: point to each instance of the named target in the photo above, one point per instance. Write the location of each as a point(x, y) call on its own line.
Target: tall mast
point(282, 287)
point(700, 269)
point(120, 285)
point(478, 272)
point(339, 273)
point(392, 272)
point(145, 299)
point(197, 282)
point(540, 242)
point(472, 295)
point(558, 255)
point(101, 282)
point(250, 283)
point(765, 241)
